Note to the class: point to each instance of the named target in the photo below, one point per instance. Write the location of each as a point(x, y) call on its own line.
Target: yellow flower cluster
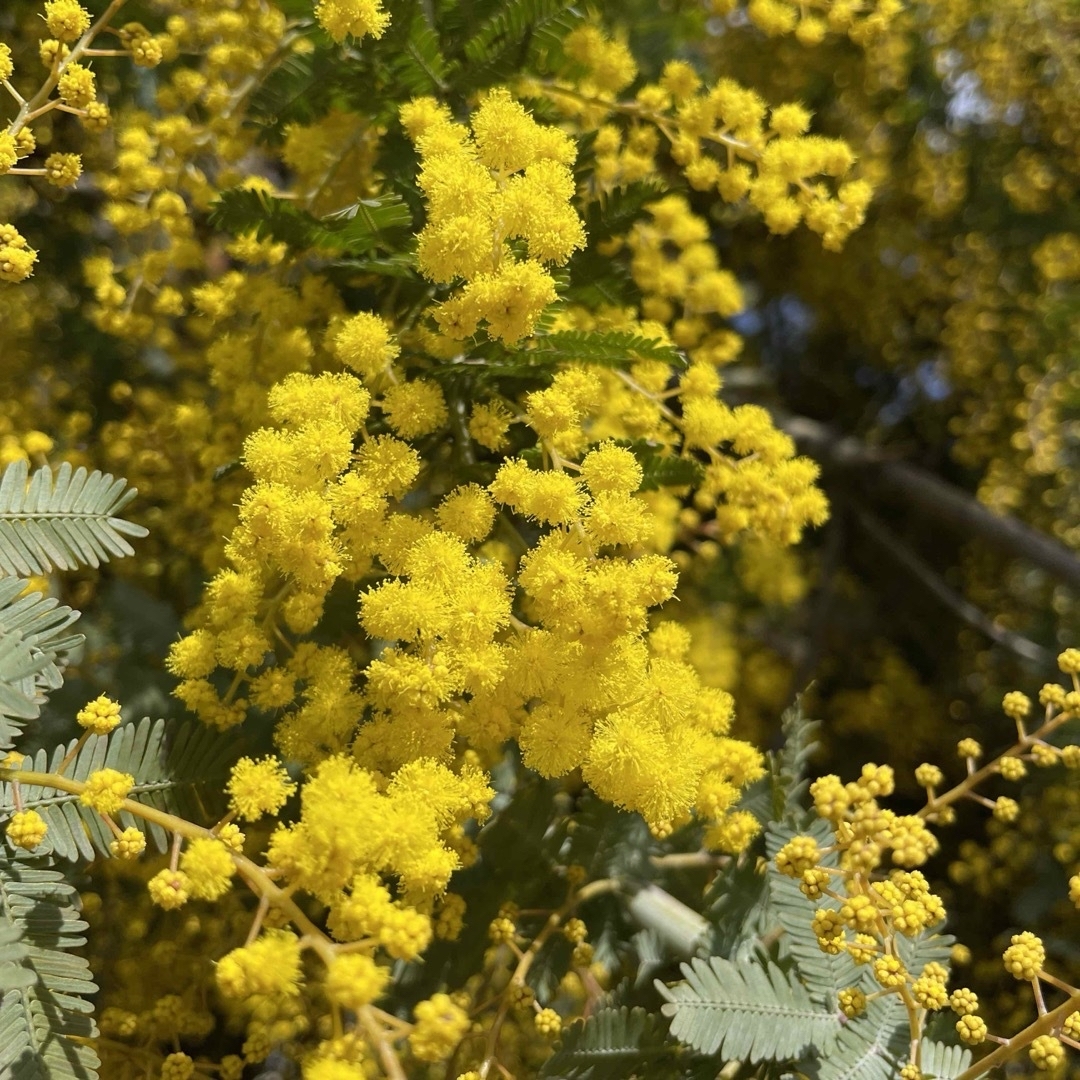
point(352, 18)
point(506, 181)
point(723, 137)
point(100, 716)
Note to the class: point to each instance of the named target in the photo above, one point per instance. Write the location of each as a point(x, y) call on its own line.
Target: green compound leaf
point(611, 348)
point(32, 636)
point(872, 1047)
point(44, 1005)
point(62, 522)
point(751, 1011)
point(365, 225)
point(615, 211)
point(823, 973)
point(660, 467)
point(178, 768)
point(942, 1062)
point(610, 1045)
point(515, 38)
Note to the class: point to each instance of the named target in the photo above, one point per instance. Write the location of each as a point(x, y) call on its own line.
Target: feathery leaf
point(609, 1045)
point(59, 523)
point(178, 768)
point(47, 1001)
point(752, 1011)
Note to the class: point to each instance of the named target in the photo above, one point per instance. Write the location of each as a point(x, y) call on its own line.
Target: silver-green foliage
point(59, 523)
point(752, 1011)
point(610, 1045)
point(178, 768)
point(44, 1008)
point(50, 523)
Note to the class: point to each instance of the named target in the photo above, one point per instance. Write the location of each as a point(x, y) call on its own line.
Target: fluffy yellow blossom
point(355, 980)
point(356, 18)
point(100, 716)
point(440, 1025)
point(209, 868)
point(269, 965)
point(363, 343)
point(258, 787)
point(106, 790)
point(66, 19)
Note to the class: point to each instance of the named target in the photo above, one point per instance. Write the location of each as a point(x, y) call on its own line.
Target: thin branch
point(873, 526)
point(945, 502)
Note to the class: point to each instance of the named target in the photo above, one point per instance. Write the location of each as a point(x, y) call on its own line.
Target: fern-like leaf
point(61, 522)
point(615, 211)
point(355, 230)
point(779, 796)
point(177, 769)
point(32, 636)
point(943, 1062)
point(45, 1012)
point(753, 1011)
point(872, 1047)
point(612, 348)
point(609, 1045)
point(823, 973)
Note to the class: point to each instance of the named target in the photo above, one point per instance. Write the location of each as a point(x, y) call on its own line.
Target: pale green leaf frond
point(823, 974)
point(179, 768)
point(752, 1011)
point(61, 522)
point(610, 1045)
point(46, 1008)
point(872, 1047)
point(33, 633)
point(943, 1062)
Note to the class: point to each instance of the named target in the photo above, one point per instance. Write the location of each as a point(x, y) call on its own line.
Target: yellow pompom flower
point(488, 425)
point(468, 512)
point(1025, 956)
point(415, 408)
point(77, 86)
point(106, 790)
point(1046, 1053)
point(258, 787)
point(100, 716)
point(440, 1026)
point(16, 258)
point(355, 980)
point(7, 68)
point(364, 344)
point(130, 844)
point(209, 867)
point(169, 889)
point(355, 18)
point(66, 19)
point(269, 965)
point(26, 829)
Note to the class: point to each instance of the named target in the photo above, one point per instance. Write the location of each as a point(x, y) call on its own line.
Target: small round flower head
point(106, 790)
point(971, 1029)
point(364, 344)
point(968, 748)
point(99, 716)
point(258, 787)
point(177, 1066)
point(1016, 705)
point(97, 116)
point(1025, 956)
point(355, 980)
point(1069, 661)
point(1071, 1027)
point(16, 259)
point(1012, 768)
point(468, 512)
point(169, 889)
point(611, 468)
point(1006, 809)
point(928, 776)
point(440, 1026)
point(9, 154)
point(1046, 1053)
point(209, 867)
point(489, 424)
point(548, 1023)
point(7, 68)
point(130, 844)
point(77, 86)
point(67, 20)
point(63, 170)
point(355, 18)
point(26, 829)
point(852, 1002)
point(963, 1001)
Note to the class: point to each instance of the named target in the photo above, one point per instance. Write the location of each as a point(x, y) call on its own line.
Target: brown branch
point(921, 488)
